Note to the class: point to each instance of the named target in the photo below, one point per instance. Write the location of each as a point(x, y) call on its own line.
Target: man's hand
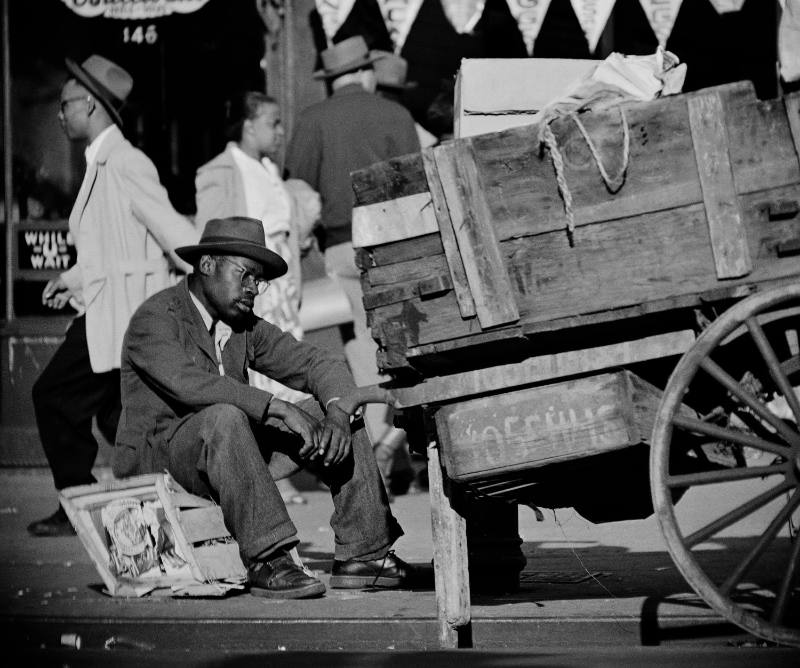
point(300, 423)
point(334, 440)
point(56, 294)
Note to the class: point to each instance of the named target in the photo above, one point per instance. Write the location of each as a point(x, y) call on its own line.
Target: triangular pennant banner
point(592, 15)
point(529, 15)
point(399, 16)
point(725, 6)
point(661, 14)
point(463, 14)
point(333, 13)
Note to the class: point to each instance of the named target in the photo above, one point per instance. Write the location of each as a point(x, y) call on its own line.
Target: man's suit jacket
point(345, 132)
point(124, 227)
point(170, 372)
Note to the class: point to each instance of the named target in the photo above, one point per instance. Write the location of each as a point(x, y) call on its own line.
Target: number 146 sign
point(140, 34)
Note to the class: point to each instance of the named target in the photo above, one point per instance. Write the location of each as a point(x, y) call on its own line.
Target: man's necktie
point(220, 332)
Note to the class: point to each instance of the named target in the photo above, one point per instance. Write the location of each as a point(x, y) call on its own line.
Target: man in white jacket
point(125, 231)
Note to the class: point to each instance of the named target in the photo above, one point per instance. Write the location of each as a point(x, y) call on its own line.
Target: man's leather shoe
point(57, 524)
point(280, 577)
point(389, 571)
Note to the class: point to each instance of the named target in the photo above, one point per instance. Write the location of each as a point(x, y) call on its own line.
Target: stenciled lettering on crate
point(541, 425)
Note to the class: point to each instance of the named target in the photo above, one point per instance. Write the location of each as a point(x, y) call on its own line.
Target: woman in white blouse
point(244, 180)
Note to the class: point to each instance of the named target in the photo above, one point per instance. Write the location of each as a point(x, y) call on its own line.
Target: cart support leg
point(450, 561)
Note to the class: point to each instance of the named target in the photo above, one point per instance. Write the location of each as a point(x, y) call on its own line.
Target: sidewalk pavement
point(611, 584)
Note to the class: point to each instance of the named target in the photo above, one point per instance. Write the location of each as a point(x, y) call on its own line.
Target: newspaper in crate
point(140, 539)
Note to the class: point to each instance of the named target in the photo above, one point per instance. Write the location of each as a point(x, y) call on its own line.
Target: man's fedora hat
point(236, 235)
point(391, 71)
point(107, 81)
point(346, 56)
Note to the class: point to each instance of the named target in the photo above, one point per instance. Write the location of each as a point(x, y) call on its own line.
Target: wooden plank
point(220, 561)
point(634, 263)
point(522, 193)
point(543, 368)
point(450, 559)
point(645, 399)
point(466, 304)
point(536, 426)
point(101, 498)
point(405, 272)
point(726, 229)
point(201, 524)
point(433, 285)
point(85, 494)
point(393, 220)
point(762, 154)
point(186, 500)
point(472, 224)
point(391, 179)
point(173, 517)
point(401, 251)
point(419, 356)
point(792, 103)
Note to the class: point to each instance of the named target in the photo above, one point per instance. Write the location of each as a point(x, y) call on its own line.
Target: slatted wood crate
point(204, 557)
point(463, 247)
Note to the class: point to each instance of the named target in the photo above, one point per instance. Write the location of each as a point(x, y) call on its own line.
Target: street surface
point(604, 595)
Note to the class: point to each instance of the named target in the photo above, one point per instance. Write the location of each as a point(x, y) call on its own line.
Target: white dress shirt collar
point(93, 148)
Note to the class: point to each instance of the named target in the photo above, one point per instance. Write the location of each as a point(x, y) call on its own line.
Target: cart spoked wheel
point(726, 438)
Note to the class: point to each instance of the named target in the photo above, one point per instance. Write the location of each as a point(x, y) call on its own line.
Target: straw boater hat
point(346, 56)
point(236, 235)
point(106, 81)
point(391, 71)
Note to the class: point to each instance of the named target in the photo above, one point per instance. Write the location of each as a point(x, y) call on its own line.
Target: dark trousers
point(66, 396)
point(217, 453)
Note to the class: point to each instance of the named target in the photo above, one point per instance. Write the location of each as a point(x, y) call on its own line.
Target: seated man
point(187, 407)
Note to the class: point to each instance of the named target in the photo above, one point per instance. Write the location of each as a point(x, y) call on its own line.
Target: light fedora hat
point(391, 71)
point(236, 235)
point(348, 55)
point(105, 80)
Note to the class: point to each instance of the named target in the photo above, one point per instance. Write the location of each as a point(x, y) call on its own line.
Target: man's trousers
point(219, 453)
point(66, 396)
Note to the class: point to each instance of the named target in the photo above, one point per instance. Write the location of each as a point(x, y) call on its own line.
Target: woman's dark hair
point(242, 108)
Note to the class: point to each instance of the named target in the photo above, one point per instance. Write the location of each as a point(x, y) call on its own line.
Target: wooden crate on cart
point(463, 247)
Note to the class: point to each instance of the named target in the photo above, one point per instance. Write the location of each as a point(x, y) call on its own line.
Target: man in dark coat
point(351, 129)
point(187, 407)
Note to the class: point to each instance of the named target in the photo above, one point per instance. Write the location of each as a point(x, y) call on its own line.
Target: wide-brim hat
point(391, 71)
point(346, 56)
point(237, 235)
point(105, 80)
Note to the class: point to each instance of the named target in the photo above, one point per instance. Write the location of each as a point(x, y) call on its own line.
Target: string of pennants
point(399, 16)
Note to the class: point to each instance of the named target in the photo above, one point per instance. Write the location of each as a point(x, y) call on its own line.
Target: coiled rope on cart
point(613, 183)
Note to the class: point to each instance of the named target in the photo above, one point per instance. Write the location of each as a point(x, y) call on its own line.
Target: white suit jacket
point(124, 229)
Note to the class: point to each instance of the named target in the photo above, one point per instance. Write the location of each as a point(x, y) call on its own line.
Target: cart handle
point(368, 394)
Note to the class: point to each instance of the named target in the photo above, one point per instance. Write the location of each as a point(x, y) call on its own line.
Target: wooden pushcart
point(666, 321)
